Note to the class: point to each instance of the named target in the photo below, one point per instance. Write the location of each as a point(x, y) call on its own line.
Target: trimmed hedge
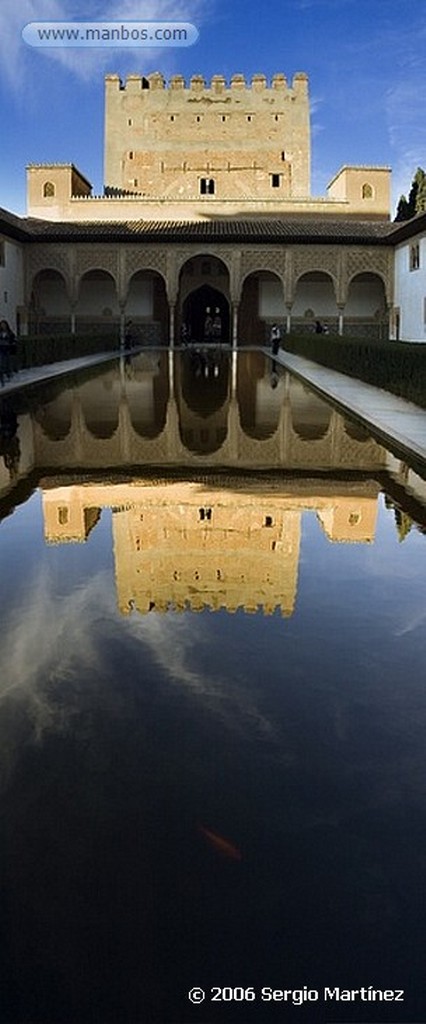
point(41, 349)
point(396, 366)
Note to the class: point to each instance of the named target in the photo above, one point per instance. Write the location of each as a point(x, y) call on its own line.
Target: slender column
point(234, 373)
point(341, 308)
point(235, 326)
point(122, 324)
point(288, 320)
point(172, 308)
point(72, 320)
point(171, 373)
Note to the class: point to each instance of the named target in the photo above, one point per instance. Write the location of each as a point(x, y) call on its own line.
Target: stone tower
point(197, 141)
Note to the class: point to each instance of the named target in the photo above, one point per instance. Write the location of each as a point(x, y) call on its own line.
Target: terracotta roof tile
point(288, 230)
point(296, 229)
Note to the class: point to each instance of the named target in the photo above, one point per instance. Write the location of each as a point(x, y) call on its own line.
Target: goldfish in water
point(220, 844)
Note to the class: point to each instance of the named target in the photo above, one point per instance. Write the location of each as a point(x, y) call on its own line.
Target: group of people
point(8, 350)
point(212, 329)
point(275, 336)
point(213, 325)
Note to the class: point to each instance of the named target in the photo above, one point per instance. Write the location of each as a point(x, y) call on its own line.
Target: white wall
point(271, 299)
point(410, 291)
point(96, 294)
point(52, 296)
point(140, 300)
point(11, 280)
point(365, 298)
point(315, 295)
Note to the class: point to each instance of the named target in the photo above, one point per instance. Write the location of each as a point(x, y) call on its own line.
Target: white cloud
point(404, 104)
point(172, 642)
point(48, 643)
point(55, 660)
point(86, 63)
point(45, 636)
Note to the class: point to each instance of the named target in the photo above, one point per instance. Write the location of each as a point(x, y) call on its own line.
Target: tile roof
point(287, 230)
point(401, 230)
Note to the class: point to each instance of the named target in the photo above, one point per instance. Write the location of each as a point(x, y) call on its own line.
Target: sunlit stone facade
point(207, 205)
point(193, 151)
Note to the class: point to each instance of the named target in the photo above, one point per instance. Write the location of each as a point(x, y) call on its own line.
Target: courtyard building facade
point(206, 215)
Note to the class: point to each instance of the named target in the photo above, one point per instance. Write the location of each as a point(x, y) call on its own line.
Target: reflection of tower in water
point(196, 545)
point(185, 545)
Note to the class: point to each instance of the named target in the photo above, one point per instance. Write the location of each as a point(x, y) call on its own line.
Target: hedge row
point(37, 350)
point(399, 367)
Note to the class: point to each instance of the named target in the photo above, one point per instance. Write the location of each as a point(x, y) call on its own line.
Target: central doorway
point(200, 305)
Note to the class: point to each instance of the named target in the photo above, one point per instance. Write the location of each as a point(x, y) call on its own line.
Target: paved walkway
point(391, 418)
point(39, 374)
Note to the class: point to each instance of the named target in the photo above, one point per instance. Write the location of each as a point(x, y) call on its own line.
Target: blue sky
point(366, 61)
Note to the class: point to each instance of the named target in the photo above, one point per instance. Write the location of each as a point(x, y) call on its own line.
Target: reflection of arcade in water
point(169, 409)
point(231, 538)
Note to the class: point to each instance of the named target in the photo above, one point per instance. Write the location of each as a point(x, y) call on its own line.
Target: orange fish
point(220, 844)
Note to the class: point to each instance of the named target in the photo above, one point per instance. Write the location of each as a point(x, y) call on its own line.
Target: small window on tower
point(207, 186)
point(275, 180)
point(367, 191)
point(48, 189)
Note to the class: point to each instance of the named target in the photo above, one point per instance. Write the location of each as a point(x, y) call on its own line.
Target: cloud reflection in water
point(59, 658)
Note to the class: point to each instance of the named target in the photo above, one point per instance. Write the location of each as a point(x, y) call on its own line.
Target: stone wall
point(250, 140)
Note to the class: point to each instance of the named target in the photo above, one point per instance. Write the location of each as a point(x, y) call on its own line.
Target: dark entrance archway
point(194, 312)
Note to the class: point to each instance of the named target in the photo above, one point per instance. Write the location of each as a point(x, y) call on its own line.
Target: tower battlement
point(216, 87)
point(198, 139)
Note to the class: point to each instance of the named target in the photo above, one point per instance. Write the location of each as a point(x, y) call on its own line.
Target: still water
point(212, 704)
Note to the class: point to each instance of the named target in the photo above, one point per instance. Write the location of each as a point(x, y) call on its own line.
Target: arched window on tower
point(48, 189)
point(367, 191)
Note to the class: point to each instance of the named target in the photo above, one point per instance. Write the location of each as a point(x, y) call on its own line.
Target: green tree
point(421, 191)
point(402, 209)
point(416, 201)
point(403, 523)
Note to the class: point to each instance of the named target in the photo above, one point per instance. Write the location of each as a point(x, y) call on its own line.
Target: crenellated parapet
point(217, 84)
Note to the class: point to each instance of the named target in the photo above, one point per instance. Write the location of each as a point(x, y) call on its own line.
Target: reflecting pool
point(212, 703)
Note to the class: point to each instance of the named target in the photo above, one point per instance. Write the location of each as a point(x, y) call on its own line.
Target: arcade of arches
point(223, 294)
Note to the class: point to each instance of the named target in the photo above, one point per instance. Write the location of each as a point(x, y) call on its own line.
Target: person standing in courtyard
point(275, 339)
point(208, 325)
point(217, 326)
